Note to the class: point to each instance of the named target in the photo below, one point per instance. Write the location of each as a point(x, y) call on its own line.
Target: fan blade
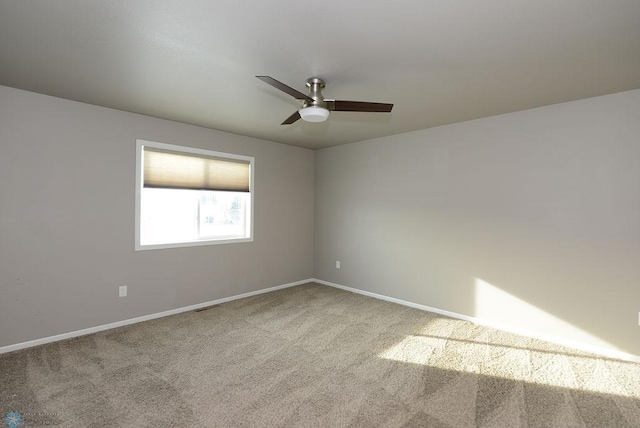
point(284, 88)
point(288, 121)
point(341, 105)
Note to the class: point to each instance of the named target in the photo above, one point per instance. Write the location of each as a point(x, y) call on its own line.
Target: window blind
point(173, 170)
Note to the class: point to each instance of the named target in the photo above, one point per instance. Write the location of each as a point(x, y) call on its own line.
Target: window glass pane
point(176, 215)
point(222, 214)
point(168, 215)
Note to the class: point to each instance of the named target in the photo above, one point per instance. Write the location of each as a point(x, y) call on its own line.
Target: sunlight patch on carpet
point(540, 367)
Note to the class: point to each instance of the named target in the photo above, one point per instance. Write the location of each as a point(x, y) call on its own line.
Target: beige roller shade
point(173, 170)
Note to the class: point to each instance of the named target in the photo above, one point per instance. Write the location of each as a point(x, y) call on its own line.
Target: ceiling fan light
point(314, 114)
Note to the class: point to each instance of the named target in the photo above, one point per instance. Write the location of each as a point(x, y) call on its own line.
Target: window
point(187, 196)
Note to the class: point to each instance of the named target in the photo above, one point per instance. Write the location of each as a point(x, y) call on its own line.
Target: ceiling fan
point(315, 108)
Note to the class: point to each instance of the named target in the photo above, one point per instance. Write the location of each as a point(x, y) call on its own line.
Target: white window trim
point(138, 195)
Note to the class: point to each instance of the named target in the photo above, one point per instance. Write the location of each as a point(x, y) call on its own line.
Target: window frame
point(139, 182)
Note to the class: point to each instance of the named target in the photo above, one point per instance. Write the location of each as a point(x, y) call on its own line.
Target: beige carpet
point(315, 356)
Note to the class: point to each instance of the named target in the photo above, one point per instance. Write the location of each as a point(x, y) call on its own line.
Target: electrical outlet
point(122, 291)
point(337, 264)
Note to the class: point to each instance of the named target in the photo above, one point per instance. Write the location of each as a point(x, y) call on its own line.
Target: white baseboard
point(96, 329)
point(605, 352)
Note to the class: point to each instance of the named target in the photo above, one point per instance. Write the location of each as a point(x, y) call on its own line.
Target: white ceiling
point(439, 62)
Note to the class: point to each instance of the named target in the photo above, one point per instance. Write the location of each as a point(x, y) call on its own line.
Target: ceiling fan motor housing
point(315, 86)
point(316, 110)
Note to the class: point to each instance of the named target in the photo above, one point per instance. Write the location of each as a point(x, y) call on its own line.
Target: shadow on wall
point(497, 305)
point(581, 290)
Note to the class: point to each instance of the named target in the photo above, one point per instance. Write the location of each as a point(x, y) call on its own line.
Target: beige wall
point(530, 219)
point(67, 220)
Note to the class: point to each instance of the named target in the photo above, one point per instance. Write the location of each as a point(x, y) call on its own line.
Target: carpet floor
point(314, 356)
